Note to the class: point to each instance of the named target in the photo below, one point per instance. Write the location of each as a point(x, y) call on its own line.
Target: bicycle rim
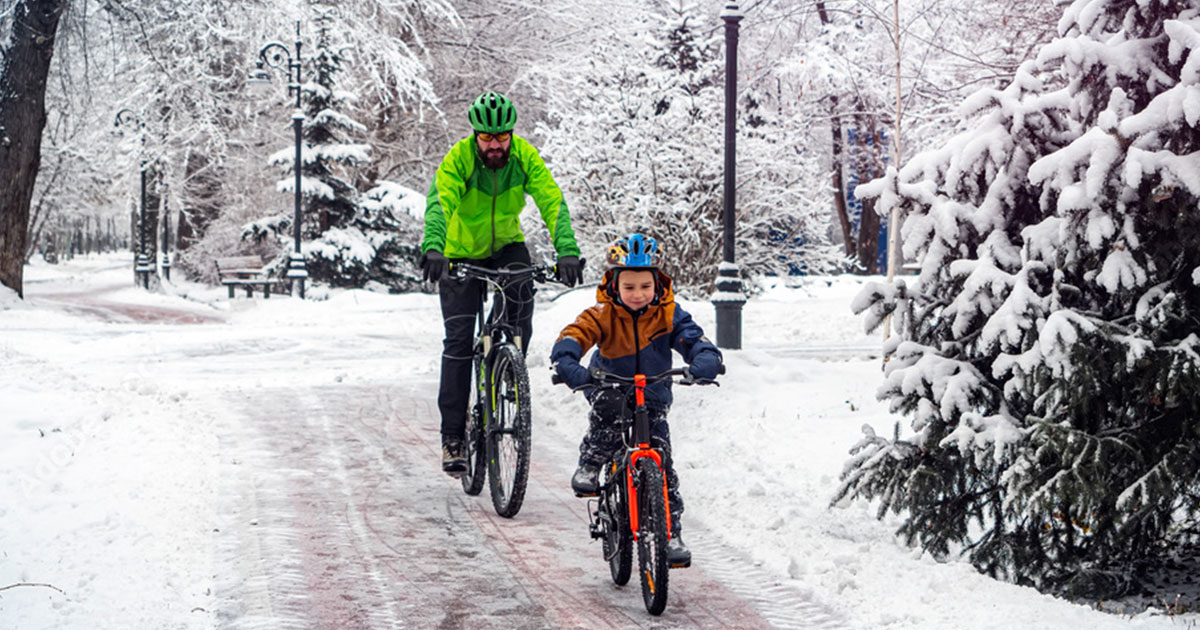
point(508, 434)
point(652, 537)
point(618, 540)
point(472, 481)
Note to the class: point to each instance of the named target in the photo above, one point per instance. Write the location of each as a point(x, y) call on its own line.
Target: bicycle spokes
point(508, 434)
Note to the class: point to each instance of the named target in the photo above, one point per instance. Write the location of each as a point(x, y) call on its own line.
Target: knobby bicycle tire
point(618, 540)
point(652, 536)
point(476, 447)
point(509, 431)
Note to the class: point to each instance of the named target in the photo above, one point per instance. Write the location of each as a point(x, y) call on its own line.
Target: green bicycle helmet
point(492, 113)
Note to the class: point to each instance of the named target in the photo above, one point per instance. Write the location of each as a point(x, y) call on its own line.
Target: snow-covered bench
point(247, 272)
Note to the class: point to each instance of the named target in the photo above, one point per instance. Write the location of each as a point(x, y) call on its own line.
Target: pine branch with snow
point(1046, 356)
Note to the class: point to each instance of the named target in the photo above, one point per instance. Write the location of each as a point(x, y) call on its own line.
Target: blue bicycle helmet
point(634, 251)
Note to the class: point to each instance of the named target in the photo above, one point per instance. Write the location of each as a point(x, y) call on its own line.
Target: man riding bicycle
point(472, 215)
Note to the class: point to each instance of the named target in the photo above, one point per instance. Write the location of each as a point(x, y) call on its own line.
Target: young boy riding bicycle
point(634, 325)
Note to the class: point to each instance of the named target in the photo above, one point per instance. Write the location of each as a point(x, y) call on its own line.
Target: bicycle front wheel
point(476, 447)
point(652, 536)
point(508, 431)
point(614, 515)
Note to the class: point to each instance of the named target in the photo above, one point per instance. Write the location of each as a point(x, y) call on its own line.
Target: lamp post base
point(297, 273)
point(143, 270)
point(728, 301)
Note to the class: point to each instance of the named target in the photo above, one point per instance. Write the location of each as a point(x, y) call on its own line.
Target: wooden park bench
point(247, 272)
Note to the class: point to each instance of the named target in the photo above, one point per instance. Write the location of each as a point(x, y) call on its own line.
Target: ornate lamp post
point(729, 298)
point(278, 56)
point(142, 266)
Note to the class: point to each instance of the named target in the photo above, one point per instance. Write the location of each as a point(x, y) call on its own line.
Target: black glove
point(434, 265)
point(568, 270)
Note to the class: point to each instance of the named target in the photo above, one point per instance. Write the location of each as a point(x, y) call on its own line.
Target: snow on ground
point(111, 429)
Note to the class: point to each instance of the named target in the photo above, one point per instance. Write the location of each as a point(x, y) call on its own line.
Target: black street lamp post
point(165, 218)
point(729, 298)
point(278, 56)
point(142, 266)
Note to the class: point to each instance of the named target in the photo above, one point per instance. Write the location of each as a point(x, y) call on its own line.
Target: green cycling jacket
point(472, 211)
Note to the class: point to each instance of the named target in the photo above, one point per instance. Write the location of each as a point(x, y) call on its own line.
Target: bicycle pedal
point(681, 565)
point(587, 496)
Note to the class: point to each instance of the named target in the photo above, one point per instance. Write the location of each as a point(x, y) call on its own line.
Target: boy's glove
point(568, 270)
point(434, 265)
point(706, 366)
point(573, 374)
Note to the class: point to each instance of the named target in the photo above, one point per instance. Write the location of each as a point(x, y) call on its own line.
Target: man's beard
point(495, 158)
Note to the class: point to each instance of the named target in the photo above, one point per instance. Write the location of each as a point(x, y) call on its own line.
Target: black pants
point(603, 440)
point(461, 302)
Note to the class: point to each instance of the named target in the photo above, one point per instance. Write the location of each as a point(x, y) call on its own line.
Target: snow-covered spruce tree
point(1047, 354)
point(632, 138)
point(390, 222)
point(330, 202)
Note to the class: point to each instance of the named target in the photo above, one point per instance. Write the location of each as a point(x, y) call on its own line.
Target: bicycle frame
point(641, 449)
point(498, 429)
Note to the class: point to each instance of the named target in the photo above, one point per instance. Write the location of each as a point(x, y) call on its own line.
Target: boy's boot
point(454, 457)
point(678, 555)
point(586, 480)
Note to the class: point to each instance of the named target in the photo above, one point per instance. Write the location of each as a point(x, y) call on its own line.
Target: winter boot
point(454, 458)
point(678, 555)
point(586, 480)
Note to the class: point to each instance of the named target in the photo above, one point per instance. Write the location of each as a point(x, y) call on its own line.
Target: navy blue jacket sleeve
point(688, 338)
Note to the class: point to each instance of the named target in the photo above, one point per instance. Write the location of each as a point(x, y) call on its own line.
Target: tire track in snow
point(339, 517)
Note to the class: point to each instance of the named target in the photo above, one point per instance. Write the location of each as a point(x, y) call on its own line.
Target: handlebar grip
point(555, 379)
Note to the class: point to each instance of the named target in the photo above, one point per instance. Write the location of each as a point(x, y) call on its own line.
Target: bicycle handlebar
point(540, 273)
point(601, 378)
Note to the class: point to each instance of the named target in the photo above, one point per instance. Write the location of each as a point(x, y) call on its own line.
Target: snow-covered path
point(338, 519)
point(179, 460)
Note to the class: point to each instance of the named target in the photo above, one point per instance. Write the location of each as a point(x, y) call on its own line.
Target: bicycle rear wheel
point(508, 431)
point(618, 540)
point(476, 447)
point(652, 536)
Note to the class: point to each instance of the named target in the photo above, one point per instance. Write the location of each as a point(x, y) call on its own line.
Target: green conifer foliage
point(1046, 356)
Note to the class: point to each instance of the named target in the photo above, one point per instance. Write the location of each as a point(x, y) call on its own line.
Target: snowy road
point(340, 519)
point(177, 460)
point(333, 513)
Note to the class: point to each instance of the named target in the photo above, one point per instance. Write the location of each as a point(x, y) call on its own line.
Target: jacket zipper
point(495, 185)
point(637, 352)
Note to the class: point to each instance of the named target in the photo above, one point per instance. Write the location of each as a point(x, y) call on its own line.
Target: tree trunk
point(839, 186)
point(201, 199)
point(870, 166)
point(868, 238)
point(22, 118)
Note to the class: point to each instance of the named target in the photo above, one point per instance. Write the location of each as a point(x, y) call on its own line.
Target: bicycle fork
point(641, 437)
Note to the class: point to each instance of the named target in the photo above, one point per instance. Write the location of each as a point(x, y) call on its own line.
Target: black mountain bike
point(632, 504)
point(498, 426)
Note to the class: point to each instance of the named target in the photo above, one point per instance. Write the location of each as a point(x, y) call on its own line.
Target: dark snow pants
point(603, 439)
point(460, 306)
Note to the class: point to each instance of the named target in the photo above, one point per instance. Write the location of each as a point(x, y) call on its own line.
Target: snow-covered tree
point(830, 69)
point(327, 159)
point(633, 138)
point(1047, 354)
point(26, 49)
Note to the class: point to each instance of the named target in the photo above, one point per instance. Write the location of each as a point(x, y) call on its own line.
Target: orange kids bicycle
point(631, 507)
